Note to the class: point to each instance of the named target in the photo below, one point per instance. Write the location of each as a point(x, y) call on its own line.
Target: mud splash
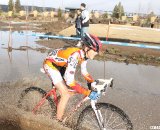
point(9, 125)
point(18, 119)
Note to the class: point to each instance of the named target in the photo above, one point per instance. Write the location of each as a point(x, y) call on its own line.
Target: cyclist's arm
point(70, 72)
point(85, 73)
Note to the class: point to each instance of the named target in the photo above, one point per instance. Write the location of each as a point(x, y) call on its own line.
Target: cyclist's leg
point(63, 90)
point(57, 80)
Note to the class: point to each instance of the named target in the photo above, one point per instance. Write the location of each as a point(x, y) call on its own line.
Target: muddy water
point(20, 69)
point(18, 63)
point(136, 87)
point(136, 90)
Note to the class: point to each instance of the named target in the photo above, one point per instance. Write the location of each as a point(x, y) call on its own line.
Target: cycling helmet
point(92, 42)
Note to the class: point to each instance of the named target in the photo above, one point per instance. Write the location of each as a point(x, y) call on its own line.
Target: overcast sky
point(144, 6)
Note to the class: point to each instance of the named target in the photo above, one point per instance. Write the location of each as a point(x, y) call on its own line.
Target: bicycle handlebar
point(100, 85)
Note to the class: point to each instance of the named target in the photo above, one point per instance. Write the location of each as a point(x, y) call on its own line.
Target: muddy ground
point(41, 27)
point(115, 53)
point(140, 105)
point(112, 52)
point(14, 118)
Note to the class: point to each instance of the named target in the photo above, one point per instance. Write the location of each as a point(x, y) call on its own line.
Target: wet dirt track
point(136, 89)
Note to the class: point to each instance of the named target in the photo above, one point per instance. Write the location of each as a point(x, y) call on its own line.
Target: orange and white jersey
point(70, 58)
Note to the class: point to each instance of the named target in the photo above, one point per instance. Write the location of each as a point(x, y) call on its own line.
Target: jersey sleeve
point(85, 73)
point(70, 73)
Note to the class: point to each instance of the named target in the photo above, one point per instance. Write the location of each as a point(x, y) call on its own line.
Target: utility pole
point(43, 5)
point(149, 8)
point(139, 9)
point(62, 4)
point(32, 4)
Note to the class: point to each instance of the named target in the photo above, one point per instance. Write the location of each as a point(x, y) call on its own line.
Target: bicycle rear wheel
point(31, 96)
point(114, 118)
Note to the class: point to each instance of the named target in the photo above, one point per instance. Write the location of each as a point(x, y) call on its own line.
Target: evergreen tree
point(105, 15)
point(17, 6)
point(59, 13)
point(0, 10)
point(152, 14)
point(149, 16)
point(118, 11)
point(115, 12)
point(10, 5)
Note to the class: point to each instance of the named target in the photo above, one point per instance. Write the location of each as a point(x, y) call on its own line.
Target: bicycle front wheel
point(114, 118)
point(31, 97)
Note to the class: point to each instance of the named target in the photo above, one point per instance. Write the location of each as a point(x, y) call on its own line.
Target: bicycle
point(97, 116)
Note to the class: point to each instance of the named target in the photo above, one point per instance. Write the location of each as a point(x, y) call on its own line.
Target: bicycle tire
point(23, 102)
point(83, 123)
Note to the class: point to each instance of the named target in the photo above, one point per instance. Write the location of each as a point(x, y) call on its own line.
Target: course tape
point(141, 45)
point(131, 45)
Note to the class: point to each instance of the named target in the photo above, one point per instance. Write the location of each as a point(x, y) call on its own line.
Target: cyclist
point(60, 65)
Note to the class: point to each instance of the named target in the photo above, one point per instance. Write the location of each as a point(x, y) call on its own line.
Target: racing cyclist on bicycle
point(60, 65)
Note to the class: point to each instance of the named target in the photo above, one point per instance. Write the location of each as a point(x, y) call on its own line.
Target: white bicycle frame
point(101, 90)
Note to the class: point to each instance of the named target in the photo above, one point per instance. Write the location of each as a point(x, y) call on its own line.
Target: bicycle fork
point(98, 115)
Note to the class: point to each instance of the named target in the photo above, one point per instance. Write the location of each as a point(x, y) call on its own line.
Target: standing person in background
point(84, 21)
point(78, 24)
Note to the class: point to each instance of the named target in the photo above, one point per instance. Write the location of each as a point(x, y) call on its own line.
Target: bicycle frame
point(41, 102)
point(55, 99)
point(93, 102)
point(98, 115)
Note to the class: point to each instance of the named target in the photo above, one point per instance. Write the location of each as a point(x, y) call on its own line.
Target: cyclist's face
point(91, 54)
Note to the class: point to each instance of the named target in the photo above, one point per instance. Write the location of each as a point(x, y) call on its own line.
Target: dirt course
point(134, 91)
point(120, 32)
point(114, 53)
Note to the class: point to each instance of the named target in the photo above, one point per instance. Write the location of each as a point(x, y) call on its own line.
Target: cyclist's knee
point(63, 90)
point(65, 94)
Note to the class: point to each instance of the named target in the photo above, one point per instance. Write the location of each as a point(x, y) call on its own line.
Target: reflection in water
point(18, 63)
point(27, 57)
point(10, 55)
point(27, 43)
point(10, 37)
point(138, 78)
point(133, 77)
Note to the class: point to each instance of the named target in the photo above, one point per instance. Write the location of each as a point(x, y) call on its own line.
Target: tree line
point(118, 10)
point(15, 7)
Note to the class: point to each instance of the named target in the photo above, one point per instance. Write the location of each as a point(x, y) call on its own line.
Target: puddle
point(136, 90)
point(133, 77)
point(137, 87)
point(17, 63)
